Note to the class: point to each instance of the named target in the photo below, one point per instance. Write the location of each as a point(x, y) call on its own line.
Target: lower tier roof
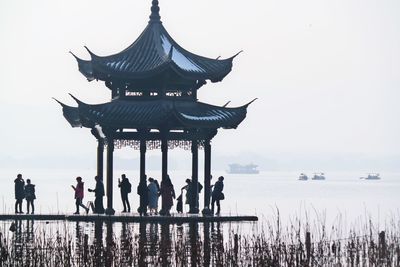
point(153, 114)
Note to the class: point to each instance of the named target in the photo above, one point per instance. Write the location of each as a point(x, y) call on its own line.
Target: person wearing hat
point(79, 195)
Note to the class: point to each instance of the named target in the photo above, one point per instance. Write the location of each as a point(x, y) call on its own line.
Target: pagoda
point(154, 105)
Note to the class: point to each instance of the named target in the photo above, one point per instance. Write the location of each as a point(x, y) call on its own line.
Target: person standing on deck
point(79, 192)
point(99, 194)
point(143, 193)
point(153, 196)
point(167, 196)
point(126, 188)
point(217, 195)
point(189, 187)
point(30, 196)
point(19, 193)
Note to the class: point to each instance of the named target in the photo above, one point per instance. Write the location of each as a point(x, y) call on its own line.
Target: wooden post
point(142, 182)
point(142, 160)
point(164, 165)
point(194, 198)
point(207, 177)
point(100, 158)
point(110, 150)
point(164, 151)
point(308, 246)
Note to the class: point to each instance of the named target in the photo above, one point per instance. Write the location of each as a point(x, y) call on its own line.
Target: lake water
point(342, 194)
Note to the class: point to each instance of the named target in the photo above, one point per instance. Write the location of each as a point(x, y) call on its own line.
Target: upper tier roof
point(154, 54)
point(153, 114)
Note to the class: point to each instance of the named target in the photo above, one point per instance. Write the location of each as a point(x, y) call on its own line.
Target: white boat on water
point(318, 176)
point(303, 177)
point(242, 169)
point(372, 176)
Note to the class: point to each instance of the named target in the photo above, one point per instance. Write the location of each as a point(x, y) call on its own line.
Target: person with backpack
point(189, 187)
point(217, 195)
point(126, 188)
point(30, 196)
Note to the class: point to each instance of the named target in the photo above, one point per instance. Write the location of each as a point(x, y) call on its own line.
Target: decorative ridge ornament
point(155, 12)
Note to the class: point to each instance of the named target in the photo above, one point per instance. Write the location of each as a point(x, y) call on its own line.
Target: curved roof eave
point(158, 113)
point(85, 67)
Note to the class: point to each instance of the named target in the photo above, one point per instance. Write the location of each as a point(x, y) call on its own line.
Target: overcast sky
point(326, 72)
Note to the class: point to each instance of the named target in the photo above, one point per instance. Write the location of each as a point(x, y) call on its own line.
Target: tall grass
point(267, 243)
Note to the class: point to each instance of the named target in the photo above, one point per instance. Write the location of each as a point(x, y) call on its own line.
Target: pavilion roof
point(153, 114)
point(154, 54)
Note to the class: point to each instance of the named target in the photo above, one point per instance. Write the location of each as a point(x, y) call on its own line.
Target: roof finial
point(155, 12)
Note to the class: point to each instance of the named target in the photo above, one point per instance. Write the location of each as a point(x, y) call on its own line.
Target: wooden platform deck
point(134, 218)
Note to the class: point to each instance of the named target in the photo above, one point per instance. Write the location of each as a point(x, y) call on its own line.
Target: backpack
point(128, 187)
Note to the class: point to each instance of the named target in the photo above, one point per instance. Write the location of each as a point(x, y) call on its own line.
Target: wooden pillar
point(100, 158)
point(194, 198)
point(142, 183)
point(143, 161)
point(207, 177)
point(110, 168)
point(164, 166)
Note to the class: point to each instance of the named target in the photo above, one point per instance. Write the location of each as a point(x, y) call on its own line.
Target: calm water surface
point(342, 194)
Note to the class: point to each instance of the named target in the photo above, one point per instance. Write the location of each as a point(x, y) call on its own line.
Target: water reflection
point(122, 244)
point(22, 242)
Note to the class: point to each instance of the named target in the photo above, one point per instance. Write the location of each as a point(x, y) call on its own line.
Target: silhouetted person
point(179, 203)
point(30, 196)
point(167, 196)
point(143, 193)
point(126, 188)
point(153, 196)
point(79, 192)
point(19, 193)
point(217, 195)
point(98, 194)
point(189, 187)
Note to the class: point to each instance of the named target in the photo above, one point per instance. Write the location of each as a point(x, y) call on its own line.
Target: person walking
point(19, 193)
point(98, 196)
point(217, 195)
point(30, 196)
point(167, 196)
point(79, 193)
point(126, 188)
point(153, 196)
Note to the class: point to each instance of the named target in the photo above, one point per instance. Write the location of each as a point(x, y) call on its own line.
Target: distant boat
point(243, 169)
point(318, 176)
point(372, 176)
point(303, 177)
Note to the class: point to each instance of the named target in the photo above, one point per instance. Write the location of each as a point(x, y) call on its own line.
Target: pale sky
point(326, 72)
